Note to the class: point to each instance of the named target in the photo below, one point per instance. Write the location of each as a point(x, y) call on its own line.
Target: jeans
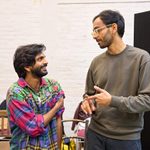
point(96, 141)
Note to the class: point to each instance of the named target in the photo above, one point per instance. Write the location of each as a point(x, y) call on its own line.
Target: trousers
point(96, 141)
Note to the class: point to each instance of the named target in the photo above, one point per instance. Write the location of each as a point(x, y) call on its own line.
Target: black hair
point(109, 17)
point(25, 56)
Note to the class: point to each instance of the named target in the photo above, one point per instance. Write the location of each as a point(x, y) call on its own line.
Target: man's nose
point(95, 35)
point(45, 61)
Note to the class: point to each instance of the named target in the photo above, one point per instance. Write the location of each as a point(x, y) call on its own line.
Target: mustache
point(44, 65)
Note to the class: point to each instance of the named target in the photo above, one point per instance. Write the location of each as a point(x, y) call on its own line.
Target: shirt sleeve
point(24, 117)
point(57, 94)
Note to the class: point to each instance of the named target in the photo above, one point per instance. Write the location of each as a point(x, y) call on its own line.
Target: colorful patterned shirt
point(25, 112)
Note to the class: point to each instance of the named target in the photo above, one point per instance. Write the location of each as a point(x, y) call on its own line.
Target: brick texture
point(64, 26)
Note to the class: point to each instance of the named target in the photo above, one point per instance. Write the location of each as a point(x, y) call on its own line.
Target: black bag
point(3, 105)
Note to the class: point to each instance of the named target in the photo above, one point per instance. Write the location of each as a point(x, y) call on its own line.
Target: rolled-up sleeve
point(24, 117)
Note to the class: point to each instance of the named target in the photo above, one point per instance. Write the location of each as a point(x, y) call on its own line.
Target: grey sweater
point(126, 77)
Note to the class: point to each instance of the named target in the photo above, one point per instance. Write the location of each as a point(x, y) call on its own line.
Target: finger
point(61, 99)
point(92, 105)
point(85, 96)
point(83, 109)
point(98, 89)
point(86, 107)
point(89, 110)
point(91, 97)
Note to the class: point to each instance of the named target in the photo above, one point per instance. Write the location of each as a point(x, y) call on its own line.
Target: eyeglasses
point(98, 30)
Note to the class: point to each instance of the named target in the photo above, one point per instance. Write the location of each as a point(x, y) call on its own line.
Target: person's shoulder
point(15, 87)
point(138, 54)
point(15, 91)
point(137, 50)
point(102, 55)
point(51, 82)
point(99, 57)
point(53, 85)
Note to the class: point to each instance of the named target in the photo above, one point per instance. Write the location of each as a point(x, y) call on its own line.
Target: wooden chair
point(5, 135)
point(4, 125)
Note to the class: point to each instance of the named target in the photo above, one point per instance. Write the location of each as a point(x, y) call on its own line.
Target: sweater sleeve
point(89, 86)
point(140, 102)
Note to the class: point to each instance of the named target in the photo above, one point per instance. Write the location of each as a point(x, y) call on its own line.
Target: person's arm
point(59, 131)
point(140, 102)
point(87, 105)
point(131, 104)
point(25, 118)
point(48, 116)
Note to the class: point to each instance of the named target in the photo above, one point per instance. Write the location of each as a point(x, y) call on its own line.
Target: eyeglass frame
point(98, 30)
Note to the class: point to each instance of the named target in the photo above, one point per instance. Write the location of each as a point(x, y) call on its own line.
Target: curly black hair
point(25, 56)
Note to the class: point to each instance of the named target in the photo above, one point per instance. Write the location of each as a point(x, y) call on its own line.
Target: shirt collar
point(23, 83)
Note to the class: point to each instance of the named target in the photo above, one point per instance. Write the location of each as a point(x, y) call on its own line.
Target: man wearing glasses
point(117, 91)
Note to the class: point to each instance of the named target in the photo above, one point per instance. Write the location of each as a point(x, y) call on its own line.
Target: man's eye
point(97, 30)
point(39, 59)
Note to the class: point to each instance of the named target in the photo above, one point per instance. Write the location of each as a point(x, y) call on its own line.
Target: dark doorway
point(142, 40)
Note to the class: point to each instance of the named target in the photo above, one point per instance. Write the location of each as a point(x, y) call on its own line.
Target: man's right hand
point(49, 115)
point(60, 103)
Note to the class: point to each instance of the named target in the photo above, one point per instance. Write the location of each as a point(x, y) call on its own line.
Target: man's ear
point(114, 27)
point(27, 68)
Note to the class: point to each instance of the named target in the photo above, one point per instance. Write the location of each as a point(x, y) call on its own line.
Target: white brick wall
point(20, 24)
point(76, 41)
point(64, 26)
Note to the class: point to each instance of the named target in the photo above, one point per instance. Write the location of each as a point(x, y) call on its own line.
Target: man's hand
point(49, 115)
point(88, 105)
point(59, 104)
point(102, 98)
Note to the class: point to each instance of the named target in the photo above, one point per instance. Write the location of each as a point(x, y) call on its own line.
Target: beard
point(39, 72)
point(106, 41)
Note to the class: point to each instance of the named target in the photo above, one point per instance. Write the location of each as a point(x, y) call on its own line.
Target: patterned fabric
point(25, 111)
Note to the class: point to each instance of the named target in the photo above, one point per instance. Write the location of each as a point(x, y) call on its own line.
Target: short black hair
point(25, 56)
point(109, 17)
